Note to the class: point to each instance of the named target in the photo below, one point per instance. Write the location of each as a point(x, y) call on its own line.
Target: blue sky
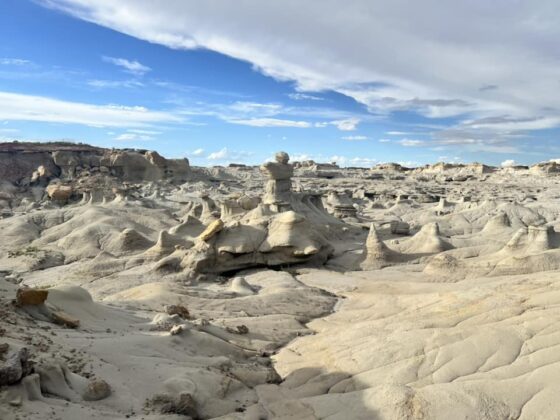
point(226, 81)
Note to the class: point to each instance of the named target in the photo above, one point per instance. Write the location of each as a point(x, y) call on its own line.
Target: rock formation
point(29, 162)
point(376, 254)
point(341, 205)
point(279, 185)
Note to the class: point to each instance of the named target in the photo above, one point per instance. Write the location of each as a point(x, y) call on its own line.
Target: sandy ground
point(482, 348)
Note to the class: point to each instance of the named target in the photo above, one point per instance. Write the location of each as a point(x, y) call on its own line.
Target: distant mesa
point(32, 162)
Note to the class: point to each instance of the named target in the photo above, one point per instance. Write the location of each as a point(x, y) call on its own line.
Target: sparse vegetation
point(27, 251)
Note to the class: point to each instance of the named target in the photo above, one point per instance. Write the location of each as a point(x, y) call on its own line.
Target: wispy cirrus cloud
point(411, 142)
point(255, 108)
point(20, 107)
point(135, 134)
point(349, 124)
point(130, 66)
point(355, 138)
point(145, 132)
point(10, 61)
point(133, 137)
point(467, 139)
point(96, 83)
point(258, 114)
point(271, 122)
point(399, 133)
point(298, 96)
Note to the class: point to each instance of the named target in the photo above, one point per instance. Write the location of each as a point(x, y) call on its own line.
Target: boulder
point(28, 296)
point(59, 192)
point(15, 367)
point(399, 227)
point(183, 404)
point(179, 310)
point(62, 318)
point(211, 230)
point(42, 174)
point(97, 389)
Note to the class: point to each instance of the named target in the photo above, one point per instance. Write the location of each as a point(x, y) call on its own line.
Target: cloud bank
point(486, 71)
point(439, 59)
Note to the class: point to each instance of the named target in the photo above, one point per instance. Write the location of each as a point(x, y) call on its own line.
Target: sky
point(358, 82)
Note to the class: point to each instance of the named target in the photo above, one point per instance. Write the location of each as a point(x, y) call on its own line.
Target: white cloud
point(126, 137)
point(114, 83)
point(130, 66)
point(135, 134)
point(384, 140)
point(258, 114)
point(219, 155)
point(14, 61)
point(226, 155)
point(346, 125)
point(15, 106)
point(145, 132)
point(255, 108)
point(349, 124)
point(469, 140)
point(133, 137)
point(482, 139)
point(398, 133)
point(197, 152)
point(271, 122)
point(508, 163)
point(355, 138)
point(480, 72)
point(304, 97)
point(508, 124)
point(411, 142)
